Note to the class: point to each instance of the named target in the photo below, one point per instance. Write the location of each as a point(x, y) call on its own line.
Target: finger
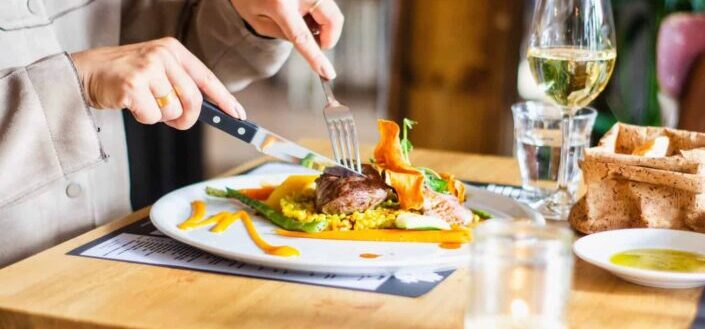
point(144, 107)
point(166, 98)
point(189, 95)
point(330, 19)
point(298, 33)
point(205, 79)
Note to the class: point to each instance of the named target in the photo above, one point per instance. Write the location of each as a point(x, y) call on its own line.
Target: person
point(680, 64)
point(68, 67)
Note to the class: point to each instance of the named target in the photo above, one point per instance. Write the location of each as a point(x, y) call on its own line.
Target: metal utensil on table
point(268, 142)
point(339, 118)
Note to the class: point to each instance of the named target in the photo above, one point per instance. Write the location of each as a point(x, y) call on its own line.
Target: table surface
point(54, 290)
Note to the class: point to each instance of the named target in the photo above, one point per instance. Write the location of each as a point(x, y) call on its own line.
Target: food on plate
point(389, 188)
point(446, 207)
point(261, 193)
point(392, 201)
point(661, 260)
point(268, 212)
point(456, 235)
point(338, 194)
point(655, 148)
point(224, 219)
point(292, 184)
point(369, 255)
point(198, 211)
point(413, 221)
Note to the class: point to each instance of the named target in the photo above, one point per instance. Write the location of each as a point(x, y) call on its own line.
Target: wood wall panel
point(454, 71)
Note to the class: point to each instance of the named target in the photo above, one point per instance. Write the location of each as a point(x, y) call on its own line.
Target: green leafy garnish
point(434, 181)
point(307, 161)
point(389, 203)
point(406, 146)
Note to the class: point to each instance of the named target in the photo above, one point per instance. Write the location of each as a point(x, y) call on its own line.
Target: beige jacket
point(63, 165)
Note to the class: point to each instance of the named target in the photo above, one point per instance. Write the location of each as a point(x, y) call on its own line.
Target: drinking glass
point(520, 276)
point(537, 137)
point(571, 54)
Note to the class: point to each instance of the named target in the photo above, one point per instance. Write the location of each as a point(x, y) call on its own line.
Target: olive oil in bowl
point(667, 260)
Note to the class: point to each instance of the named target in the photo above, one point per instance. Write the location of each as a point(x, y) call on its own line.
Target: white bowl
point(597, 249)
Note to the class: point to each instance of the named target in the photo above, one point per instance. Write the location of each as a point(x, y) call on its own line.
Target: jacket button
point(73, 190)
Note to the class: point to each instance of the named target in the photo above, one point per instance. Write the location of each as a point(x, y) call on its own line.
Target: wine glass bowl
point(571, 54)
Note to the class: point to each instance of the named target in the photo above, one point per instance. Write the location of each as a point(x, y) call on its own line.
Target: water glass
point(537, 136)
point(520, 276)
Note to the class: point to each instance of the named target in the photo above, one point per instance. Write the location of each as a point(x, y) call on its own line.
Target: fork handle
point(328, 90)
point(316, 32)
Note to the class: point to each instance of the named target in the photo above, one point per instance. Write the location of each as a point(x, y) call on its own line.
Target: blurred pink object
point(681, 41)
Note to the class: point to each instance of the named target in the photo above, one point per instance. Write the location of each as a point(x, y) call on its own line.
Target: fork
point(341, 129)
point(339, 118)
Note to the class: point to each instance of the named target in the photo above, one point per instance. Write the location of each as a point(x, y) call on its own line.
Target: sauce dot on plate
point(368, 255)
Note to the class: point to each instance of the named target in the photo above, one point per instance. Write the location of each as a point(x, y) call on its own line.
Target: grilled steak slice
point(338, 194)
point(446, 207)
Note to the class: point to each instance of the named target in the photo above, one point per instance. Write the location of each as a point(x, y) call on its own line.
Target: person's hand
point(283, 19)
point(158, 81)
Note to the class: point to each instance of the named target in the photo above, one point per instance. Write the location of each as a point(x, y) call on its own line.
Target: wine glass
point(571, 54)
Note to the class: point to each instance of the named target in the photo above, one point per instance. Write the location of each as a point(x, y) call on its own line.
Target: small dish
point(597, 249)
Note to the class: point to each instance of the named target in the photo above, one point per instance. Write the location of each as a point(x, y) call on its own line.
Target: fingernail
point(239, 109)
point(328, 71)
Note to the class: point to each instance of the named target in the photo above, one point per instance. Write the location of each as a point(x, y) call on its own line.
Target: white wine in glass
point(571, 77)
point(571, 54)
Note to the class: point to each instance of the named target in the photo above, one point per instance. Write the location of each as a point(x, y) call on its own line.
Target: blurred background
point(456, 66)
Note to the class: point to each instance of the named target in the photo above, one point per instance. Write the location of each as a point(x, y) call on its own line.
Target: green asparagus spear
point(268, 212)
point(483, 214)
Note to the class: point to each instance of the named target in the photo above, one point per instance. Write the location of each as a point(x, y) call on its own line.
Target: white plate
point(326, 256)
point(599, 247)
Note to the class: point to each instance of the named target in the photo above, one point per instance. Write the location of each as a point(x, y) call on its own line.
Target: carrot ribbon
point(406, 180)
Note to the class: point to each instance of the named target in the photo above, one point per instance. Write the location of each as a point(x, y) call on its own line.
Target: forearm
point(46, 130)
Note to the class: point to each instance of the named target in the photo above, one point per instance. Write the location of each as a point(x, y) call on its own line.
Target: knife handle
point(241, 129)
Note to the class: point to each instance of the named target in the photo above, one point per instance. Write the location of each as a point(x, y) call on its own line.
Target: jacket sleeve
point(215, 33)
point(46, 129)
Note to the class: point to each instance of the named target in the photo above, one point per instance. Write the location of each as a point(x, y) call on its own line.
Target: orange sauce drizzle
point(450, 236)
point(368, 255)
point(224, 219)
point(449, 245)
point(198, 210)
point(284, 251)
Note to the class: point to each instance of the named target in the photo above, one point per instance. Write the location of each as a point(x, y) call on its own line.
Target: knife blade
point(268, 142)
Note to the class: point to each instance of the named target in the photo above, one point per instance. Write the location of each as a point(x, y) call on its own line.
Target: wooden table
point(53, 290)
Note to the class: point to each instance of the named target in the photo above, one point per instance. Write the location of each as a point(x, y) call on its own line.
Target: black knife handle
point(241, 129)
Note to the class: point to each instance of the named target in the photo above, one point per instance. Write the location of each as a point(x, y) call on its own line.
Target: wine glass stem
point(564, 197)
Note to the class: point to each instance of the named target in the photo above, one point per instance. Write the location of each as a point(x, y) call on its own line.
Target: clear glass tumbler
point(520, 276)
point(537, 136)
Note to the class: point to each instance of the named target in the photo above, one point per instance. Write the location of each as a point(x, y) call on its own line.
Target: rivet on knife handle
point(242, 129)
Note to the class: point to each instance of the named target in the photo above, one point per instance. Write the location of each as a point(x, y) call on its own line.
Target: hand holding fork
point(339, 120)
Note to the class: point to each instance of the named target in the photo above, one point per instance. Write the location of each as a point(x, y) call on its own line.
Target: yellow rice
point(300, 206)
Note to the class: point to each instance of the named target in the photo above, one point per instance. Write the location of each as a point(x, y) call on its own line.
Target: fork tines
point(343, 136)
point(342, 131)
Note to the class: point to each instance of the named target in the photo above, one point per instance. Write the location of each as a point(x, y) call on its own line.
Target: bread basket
point(626, 191)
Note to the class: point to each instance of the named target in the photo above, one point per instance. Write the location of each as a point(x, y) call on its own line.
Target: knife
point(268, 142)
